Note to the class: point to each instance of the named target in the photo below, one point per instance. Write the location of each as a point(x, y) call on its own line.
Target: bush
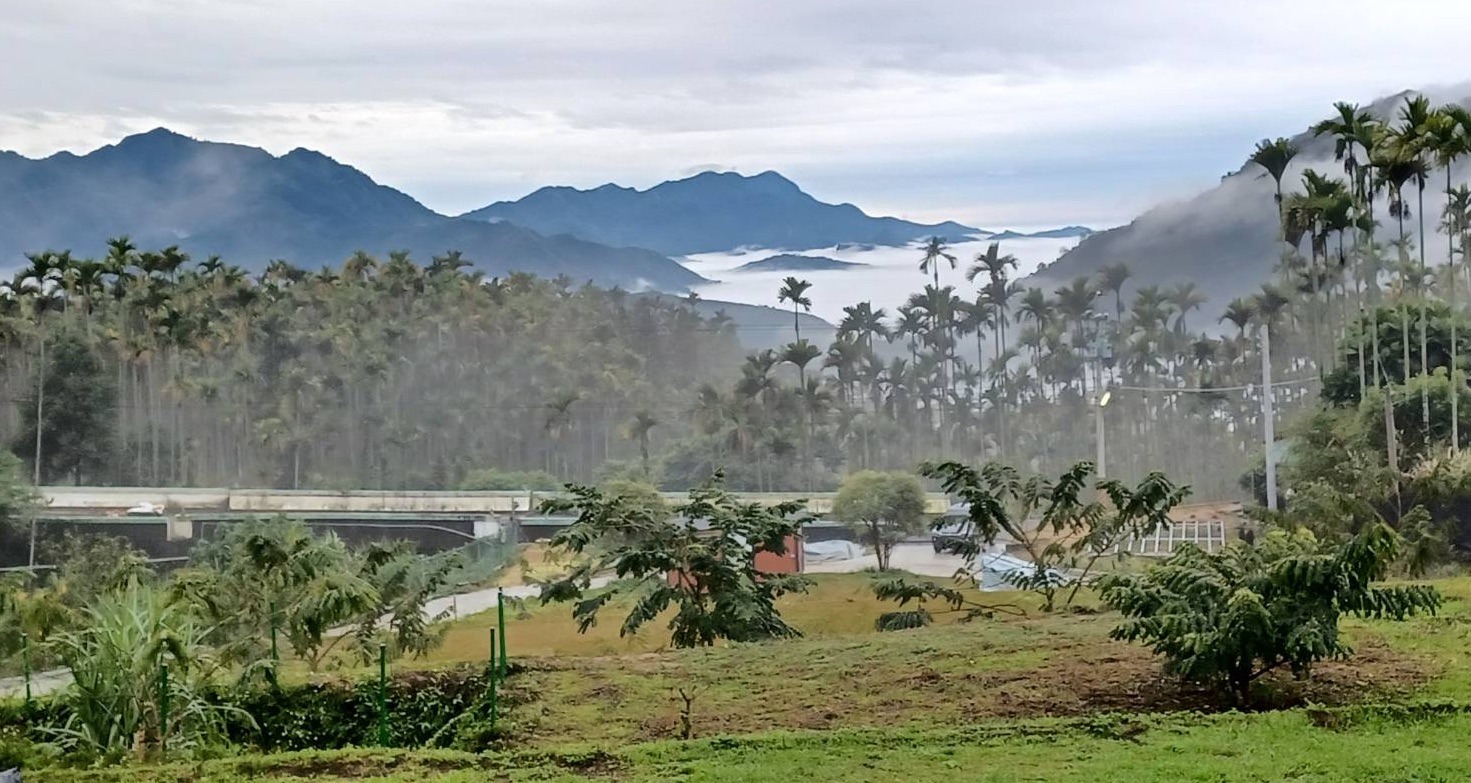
point(1226, 619)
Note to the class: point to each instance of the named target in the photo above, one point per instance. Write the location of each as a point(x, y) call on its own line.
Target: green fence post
point(163, 708)
point(382, 694)
point(494, 705)
point(25, 660)
point(495, 670)
point(500, 608)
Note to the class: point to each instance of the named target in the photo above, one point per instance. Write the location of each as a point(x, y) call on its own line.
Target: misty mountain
point(250, 207)
point(709, 212)
point(1066, 232)
point(759, 326)
point(791, 262)
point(1224, 239)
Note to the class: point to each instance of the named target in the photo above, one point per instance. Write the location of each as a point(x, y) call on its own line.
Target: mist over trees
point(150, 367)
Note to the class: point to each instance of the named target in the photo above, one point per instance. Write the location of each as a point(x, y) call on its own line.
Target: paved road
point(457, 606)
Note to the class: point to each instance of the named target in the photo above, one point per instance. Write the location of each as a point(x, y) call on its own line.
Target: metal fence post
point(495, 670)
point(500, 608)
point(163, 708)
point(382, 694)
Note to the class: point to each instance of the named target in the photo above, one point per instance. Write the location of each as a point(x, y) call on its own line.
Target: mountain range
point(249, 206)
point(1066, 232)
point(709, 212)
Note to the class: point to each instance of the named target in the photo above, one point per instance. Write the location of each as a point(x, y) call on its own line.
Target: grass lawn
point(1035, 698)
point(1301, 746)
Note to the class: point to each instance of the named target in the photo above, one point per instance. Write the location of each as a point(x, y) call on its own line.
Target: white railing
point(1208, 535)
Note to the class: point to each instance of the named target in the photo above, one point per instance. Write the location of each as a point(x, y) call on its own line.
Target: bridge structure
point(433, 521)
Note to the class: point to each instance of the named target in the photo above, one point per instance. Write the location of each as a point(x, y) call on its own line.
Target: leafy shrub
point(322, 716)
point(1226, 619)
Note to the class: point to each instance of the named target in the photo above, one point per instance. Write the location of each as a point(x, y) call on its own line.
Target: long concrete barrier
point(275, 501)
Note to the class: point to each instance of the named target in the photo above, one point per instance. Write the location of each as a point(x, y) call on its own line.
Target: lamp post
point(1102, 354)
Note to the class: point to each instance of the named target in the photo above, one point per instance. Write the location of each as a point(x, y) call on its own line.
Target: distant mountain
point(759, 326)
point(250, 207)
point(1223, 239)
point(709, 212)
point(1066, 232)
point(791, 262)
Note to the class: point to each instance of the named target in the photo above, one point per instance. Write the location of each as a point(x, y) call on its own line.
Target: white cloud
point(929, 109)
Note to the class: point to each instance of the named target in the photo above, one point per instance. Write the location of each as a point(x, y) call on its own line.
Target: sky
point(994, 113)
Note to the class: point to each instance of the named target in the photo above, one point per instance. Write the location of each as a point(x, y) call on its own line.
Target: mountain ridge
point(709, 212)
point(240, 202)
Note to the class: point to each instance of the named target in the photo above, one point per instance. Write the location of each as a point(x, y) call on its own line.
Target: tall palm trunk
point(1454, 388)
point(1424, 296)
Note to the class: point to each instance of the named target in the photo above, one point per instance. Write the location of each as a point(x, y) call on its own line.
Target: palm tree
point(1448, 133)
point(638, 429)
point(864, 322)
point(794, 291)
point(1185, 297)
point(935, 251)
point(1412, 135)
point(1240, 312)
point(1396, 165)
point(801, 353)
point(1112, 277)
point(991, 263)
point(1274, 156)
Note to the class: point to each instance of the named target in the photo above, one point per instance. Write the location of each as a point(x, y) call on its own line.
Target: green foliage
point(404, 582)
point(1068, 533)
point(78, 408)
point(1226, 619)
point(18, 499)
point(883, 507)
point(1341, 386)
point(266, 572)
point(699, 561)
point(424, 708)
point(48, 602)
point(922, 594)
point(490, 479)
point(116, 654)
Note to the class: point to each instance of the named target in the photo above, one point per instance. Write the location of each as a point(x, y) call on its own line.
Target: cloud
point(917, 108)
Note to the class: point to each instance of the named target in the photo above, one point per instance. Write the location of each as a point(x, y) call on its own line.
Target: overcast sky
point(992, 113)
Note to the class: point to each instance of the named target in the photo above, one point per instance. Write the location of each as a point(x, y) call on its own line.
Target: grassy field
point(1041, 697)
point(1303, 746)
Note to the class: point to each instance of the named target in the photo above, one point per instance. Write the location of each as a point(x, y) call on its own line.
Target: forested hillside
point(165, 370)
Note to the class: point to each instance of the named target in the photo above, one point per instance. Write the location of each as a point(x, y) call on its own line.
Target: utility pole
point(1102, 352)
point(1269, 434)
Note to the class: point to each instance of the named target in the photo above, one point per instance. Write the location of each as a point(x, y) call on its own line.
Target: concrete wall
point(271, 501)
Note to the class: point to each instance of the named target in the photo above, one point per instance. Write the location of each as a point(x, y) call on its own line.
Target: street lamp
point(1103, 354)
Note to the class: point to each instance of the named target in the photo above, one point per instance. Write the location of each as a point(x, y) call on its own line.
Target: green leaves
point(1069, 535)
point(1226, 619)
point(697, 559)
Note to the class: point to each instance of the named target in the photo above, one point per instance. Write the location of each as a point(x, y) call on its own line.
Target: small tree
point(1050, 520)
point(699, 560)
point(882, 507)
point(80, 402)
point(275, 572)
point(1226, 619)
